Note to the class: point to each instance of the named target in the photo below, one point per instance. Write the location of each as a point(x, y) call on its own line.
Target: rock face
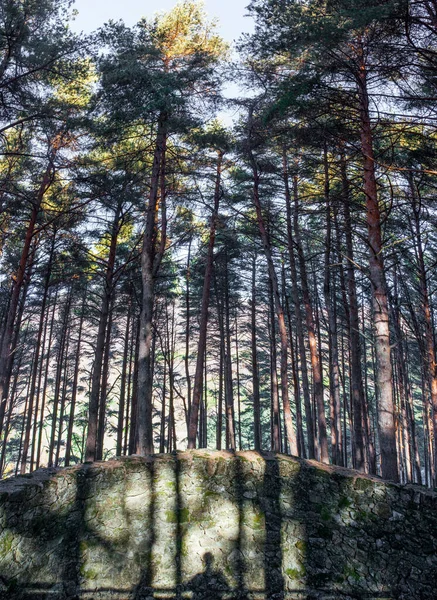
point(214, 525)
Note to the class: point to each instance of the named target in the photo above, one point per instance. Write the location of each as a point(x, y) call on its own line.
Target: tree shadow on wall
point(341, 548)
point(57, 537)
point(269, 502)
point(40, 529)
point(356, 537)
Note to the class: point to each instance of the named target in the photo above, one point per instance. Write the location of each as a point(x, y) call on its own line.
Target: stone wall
point(214, 525)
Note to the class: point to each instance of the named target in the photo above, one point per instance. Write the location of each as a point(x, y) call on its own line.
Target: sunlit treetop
point(185, 32)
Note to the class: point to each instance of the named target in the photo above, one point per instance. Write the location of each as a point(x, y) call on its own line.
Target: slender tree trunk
point(230, 416)
point(330, 303)
point(188, 327)
point(314, 354)
point(237, 360)
point(412, 423)
point(274, 394)
point(30, 421)
point(205, 402)
point(430, 350)
point(357, 387)
point(254, 366)
point(58, 377)
point(104, 387)
point(163, 415)
point(220, 402)
point(63, 400)
point(171, 376)
point(45, 385)
point(133, 430)
point(6, 354)
point(299, 318)
point(93, 411)
point(150, 261)
point(294, 368)
point(291, 436)
point(38, 392)
point(203, 325)
point(121, 405)
point(68, 445)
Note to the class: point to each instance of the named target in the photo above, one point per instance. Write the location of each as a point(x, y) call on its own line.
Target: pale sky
point(93, 13)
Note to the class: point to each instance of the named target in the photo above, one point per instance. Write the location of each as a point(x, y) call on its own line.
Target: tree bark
point(93, 410)
point(150, 260)
point(69, 441)
point(384, 375)
point(298, 314)
point(330, 304)
point(291, 436)
point(203, 325)
point(6, 354)
point(254, 365)
point(314, 354)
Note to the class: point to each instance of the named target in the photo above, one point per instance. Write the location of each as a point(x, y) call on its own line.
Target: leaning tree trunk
point(6, 355)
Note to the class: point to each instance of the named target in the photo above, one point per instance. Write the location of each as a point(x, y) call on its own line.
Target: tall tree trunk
point(133, 429)
point(237, 360)
point(384, 376)
point(430, 350)
point(220, 401)
point(69, 442)
point(45, 385)
point(188, 326)
point(121, 405)
point(6, 354)
point(58, 376)
point(291, 436)
point(275, 416)
point(30, 421)
point(104, 386)
point(402, 385)
point(254, 365)
point(230, 415)
point(93, 411)
point(357, 386)
point(298, 314)
point(203, 325)
point(294, 368)
point(63, 400)
point(150, 260)
point(38, 389)
point(330, 303)
point(314, 354)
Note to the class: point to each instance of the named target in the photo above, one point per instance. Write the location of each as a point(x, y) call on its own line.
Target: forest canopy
point(169, 279)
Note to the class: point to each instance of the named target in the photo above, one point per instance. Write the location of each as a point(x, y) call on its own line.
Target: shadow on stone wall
point(295, 532)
